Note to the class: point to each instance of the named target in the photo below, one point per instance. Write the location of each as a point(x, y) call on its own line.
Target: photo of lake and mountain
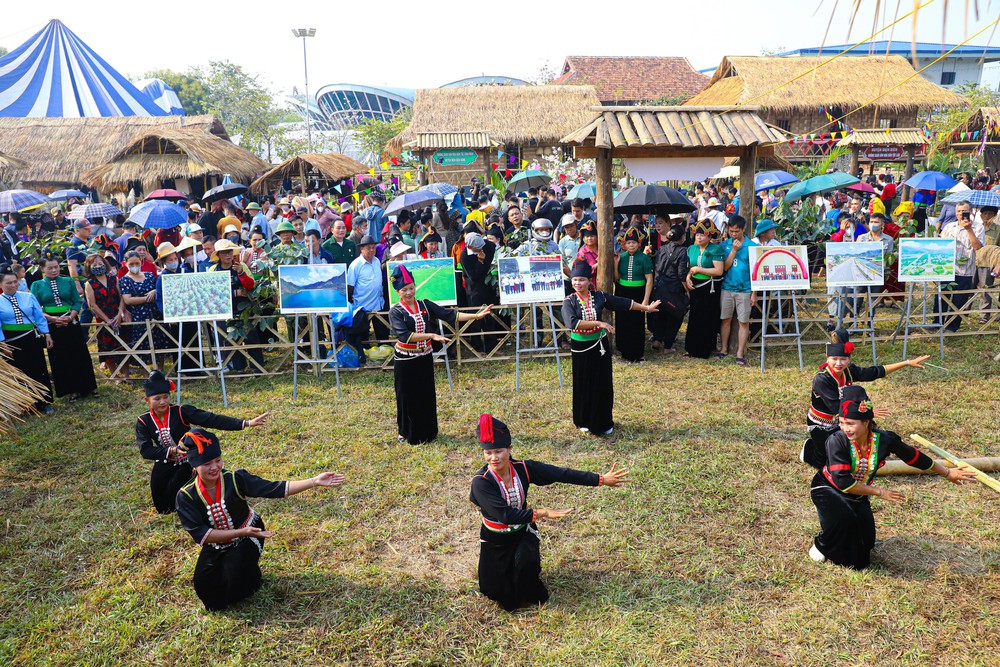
point(313, 288)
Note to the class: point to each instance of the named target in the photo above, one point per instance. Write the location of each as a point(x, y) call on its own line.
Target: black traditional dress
point(413, 368)
point(69, 358)
point(154, 438)
point(593, 392)
point(824, 406)
point(630, 326)
point(705, 308)
point(848, 527)
point(23, 330)
point(109, 300)
point(509, 558)
point(226, 572)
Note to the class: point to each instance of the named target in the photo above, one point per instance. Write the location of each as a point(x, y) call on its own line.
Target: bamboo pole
point(605, 223)
point(986, 464)
point(981, 477)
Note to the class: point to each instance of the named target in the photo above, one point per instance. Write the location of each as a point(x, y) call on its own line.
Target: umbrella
point(412, 201)
point(930, 180)
point(158, 214)
point(165, 194)
point(978, 198)
point(821, 183)
point(529, 178)
point(63, 195)
point(224, 191)
point(861, 187)
point(959, 187)
point(767, 180)
point(652, 199)
point(586, 190)
point(727, 172)
point(15, 200)
point(443, 189)
point(90, 211)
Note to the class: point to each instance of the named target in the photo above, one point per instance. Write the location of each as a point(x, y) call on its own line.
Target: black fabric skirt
point(72, 369)
point(593, 392)
point(703, 321)
point(165, 481)
point(510, 565)
point(28, 355)
point(630, 326)
point(225, 576)
point(847, 526)
point(416, 401)
point(814, 451)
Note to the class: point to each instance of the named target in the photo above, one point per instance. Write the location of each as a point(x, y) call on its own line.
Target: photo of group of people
point(531, 279)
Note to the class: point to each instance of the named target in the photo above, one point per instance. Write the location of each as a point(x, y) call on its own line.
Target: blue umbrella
point(158, 214)
point(768, 180)
point(529, 178)
point(821, 183)
point(443, 189)
point(586, 190)
point(412, 201)
point(978, 198)
point(90, 211)
point(930, 180)
point(16, 200)
point(63, 195)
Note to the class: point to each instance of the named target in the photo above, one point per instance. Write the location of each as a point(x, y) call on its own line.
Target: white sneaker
point(610, 431)
point(802, 454)
point(584, 429)
point(816, 554)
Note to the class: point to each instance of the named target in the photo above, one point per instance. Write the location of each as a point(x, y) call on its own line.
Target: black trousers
point(225, 576)
point(848, 527)
point(165, 480)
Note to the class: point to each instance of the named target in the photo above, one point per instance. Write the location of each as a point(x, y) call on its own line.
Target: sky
point(427, 44)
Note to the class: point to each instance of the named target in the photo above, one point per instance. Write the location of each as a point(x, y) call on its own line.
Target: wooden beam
point(748, 171)
point(855, 159)
point(907, 173)
point(605, 223)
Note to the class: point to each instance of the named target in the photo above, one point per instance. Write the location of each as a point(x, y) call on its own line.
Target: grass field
point(434, 278)
point(702, 561)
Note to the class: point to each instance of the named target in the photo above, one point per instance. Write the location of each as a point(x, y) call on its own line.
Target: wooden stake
point(895, 467)
point(981, 477)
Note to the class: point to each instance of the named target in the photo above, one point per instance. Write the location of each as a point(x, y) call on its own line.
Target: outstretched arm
point(324, 479)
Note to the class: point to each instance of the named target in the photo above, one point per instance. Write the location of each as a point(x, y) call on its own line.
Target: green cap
point(284, 226)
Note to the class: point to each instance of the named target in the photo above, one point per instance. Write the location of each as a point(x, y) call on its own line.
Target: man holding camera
point(969, 236)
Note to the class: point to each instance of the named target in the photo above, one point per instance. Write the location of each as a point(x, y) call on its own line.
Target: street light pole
point(303, 33)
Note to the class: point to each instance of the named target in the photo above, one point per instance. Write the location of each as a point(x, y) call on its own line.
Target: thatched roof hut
point(59, 150)
point(173, 153)
point(319, 166)
point(815, 82)
point(509, 115)
point(9, 168)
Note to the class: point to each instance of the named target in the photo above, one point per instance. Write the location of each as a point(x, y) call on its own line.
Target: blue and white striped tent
point(54, 74)
point(162, 94)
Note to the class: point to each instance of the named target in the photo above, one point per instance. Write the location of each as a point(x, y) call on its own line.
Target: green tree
point(245, 106)
point(189, 86)
point(373, 135)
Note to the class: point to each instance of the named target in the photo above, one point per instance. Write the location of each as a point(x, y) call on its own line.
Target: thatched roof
point(629, 79)
point(525, 115)
point(170, 153)
point(59, 150)
point(9, 164)
point(847, 82)
point(330, 166)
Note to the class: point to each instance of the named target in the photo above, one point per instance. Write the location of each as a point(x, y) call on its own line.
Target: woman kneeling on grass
point(509, 558)
point(213, 509)
point(841, 490)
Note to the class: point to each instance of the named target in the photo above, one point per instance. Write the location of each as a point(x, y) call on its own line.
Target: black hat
point(495, 232)
point(677, 233)
point(431, 237)
point(587, 230)
point(854, 392)
point(841, 345)
point(632, 234)
point(202, 446)
point(581, 269)
point(366, 240)
point(401, 277)
point(857, 409)
point(493, 433)
point(156, 384)
point(134, 242)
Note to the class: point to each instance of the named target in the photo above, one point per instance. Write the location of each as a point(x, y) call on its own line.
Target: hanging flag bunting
point(513, 160)
point(507, 173)
point(500, 153)
point(385, 166)
point(337, 188)
point(394, 161)
point(395, 180)
point(494, 166)
point(357, 197)
point(408, 175)
point(372, 171)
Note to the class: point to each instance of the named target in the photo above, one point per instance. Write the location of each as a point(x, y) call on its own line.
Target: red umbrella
point(861, 187)
point(165, 194)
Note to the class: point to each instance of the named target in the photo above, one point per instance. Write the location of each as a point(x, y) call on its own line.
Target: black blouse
point(225, 507)
point(180, 419)
point(846, 467)
point(491, 498)
point(424, 320)
point(824, 404)
point(572, 309)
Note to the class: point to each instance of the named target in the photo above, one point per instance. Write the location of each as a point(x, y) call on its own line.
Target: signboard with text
point(454, 157)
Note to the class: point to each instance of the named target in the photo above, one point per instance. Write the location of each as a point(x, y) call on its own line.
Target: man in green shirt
point(343, 249)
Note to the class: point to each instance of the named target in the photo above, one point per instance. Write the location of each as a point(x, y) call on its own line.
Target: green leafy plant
point(821, 166)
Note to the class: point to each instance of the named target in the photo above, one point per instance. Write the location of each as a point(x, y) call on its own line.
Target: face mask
point(172, 266)
point(234, 239)
point(135, 269)
point(284, 209)
point(98, 269)
point(876, 228)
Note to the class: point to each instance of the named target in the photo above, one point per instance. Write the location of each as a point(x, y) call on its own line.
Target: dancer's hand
point(960, 474)
point(918, 362)
point(329, 479)
point(891, 496)
point(552, 514)
point(254, 531)
point(615, 476)
point(653, 307)
point(882, 412)
point(440, 339)
point(258, 420)
point(484, 311)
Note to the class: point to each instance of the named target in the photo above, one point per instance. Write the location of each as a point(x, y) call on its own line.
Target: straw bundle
point(173, 153)
point(848, 82)
point(18, 393)
point(508, 114)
